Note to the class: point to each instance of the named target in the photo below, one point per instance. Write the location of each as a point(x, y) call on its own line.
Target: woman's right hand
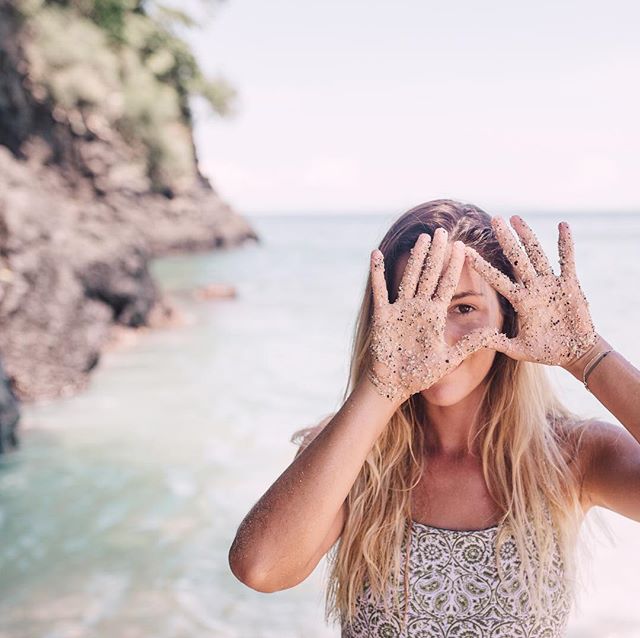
point(408, 348)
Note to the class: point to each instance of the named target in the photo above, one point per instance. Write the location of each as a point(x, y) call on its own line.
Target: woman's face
point(474, 305)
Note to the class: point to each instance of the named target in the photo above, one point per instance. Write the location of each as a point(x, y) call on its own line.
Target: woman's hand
point(555, 325)
point(408, 349)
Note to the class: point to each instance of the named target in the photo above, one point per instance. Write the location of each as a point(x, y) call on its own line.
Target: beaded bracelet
point(588, 369)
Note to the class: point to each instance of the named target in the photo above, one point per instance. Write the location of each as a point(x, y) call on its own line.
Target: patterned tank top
point(455, 592)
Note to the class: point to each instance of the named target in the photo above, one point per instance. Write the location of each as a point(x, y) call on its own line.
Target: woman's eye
point(465, 308)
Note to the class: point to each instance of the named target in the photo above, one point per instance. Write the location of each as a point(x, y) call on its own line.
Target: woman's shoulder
point(575, 435)
point(583, 434)
point(583, 438)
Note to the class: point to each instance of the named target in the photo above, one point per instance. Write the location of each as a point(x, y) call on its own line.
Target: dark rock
point(79, 223)
point(9, 413)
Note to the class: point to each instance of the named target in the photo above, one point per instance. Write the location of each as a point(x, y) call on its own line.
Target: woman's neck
point(448, 428)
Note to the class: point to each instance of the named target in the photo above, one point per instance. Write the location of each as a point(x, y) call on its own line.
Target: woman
point(451, 484)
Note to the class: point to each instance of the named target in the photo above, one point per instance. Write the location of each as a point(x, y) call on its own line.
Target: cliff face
point(87, 198)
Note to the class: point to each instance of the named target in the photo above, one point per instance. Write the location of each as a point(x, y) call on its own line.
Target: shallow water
point(117, 512)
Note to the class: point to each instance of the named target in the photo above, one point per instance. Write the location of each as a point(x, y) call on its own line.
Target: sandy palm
point(408, 345)
point(555, 325)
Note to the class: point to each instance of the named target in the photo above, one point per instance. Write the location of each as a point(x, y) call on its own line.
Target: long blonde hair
point(528, 441)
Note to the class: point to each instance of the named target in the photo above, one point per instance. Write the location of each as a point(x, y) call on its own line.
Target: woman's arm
point(280, 541)
point(615, 382)
point(555, 328)
point(289, 529)
point(612, 463)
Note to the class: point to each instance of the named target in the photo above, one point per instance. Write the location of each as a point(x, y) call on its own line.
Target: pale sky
point(371, 106)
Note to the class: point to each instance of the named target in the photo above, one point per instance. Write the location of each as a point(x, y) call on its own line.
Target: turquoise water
point(117, 512)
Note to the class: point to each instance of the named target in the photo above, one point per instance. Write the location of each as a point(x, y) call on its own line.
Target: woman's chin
point(443, 397)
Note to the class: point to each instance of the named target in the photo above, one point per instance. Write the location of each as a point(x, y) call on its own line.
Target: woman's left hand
point(555, 325)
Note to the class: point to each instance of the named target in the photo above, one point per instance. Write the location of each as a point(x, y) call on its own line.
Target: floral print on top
point(455, 592)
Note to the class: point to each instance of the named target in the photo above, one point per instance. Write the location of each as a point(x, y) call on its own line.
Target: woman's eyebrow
point(467, 293)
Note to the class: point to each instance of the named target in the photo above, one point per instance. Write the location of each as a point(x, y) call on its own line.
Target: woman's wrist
point(386, 395)
point(577, 366)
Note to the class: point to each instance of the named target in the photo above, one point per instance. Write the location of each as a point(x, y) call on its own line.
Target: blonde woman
point(449, 488)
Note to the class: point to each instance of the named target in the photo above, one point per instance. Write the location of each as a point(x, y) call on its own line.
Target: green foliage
point(110, 15)
point(168, 17)
point(127, 63)
point(153, 114)
point(219, 94)
point(72, 59)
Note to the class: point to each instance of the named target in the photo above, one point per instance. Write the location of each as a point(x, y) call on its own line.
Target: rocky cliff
point(98, 174)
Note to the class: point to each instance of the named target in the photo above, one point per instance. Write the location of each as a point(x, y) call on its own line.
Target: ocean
point(118, 510)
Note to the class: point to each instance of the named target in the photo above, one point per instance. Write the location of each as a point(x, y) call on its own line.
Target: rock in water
point(83, 208)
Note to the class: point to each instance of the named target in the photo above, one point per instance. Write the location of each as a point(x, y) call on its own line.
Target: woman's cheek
point(463, 324)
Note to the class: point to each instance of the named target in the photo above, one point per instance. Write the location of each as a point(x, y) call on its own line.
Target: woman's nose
point(452, 332)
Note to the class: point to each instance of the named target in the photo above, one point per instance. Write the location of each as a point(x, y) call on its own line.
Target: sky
point(371, 106)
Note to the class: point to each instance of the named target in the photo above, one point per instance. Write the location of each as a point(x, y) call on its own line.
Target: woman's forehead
point(471, 280)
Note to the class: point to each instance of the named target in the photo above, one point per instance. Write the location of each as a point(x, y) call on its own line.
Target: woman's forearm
point(615, 382)
point(283, 531)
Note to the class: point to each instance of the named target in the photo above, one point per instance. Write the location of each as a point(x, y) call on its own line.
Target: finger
point(492, 275)
point(412, 270)
point(513, 251)
point(477, 339)
point(566, 252)
point(378, 283)
point(511, 347)
point(433, 264)
point(451, 275)
point(532, 246)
